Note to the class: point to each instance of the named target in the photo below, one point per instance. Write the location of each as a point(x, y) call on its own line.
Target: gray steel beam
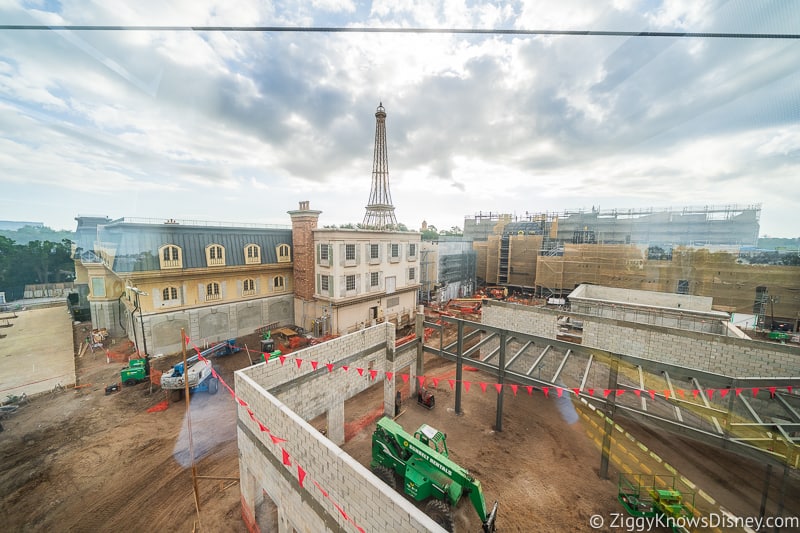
point(538, 360)
point(561, 366)
point(519, 352)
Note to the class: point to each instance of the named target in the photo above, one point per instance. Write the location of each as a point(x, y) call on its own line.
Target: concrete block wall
point(729, 356)
point(370, 503)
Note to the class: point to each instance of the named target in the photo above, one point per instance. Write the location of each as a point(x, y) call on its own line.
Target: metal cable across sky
point(461, 31)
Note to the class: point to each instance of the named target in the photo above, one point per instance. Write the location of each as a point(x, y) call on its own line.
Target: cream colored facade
point(363, 277)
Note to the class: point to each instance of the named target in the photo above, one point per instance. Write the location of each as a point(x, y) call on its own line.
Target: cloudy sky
point(240, 126)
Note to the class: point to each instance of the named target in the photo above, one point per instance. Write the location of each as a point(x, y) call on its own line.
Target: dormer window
point(169, 256)
point(215, 255)
point(252, 254)
point(284, 253)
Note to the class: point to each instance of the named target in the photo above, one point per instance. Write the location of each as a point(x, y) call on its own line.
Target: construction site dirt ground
point(81, 460)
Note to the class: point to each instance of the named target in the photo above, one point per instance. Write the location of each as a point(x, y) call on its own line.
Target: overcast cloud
point(233, 126)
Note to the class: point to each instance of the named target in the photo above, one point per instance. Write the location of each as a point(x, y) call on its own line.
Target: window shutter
point(330, 286)
point(358, 254)
point(358, 283)
point(380, 280)
point(201, 292)
point(319, 278)
point(319, 260)
point(342, 253)
point(342, 285)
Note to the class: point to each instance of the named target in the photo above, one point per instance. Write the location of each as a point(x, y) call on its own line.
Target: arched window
point(215, 255)
point(212, 291)
point(248, 287)
point(252, 254)
point(284, 253)
point(279, 283)
point(170, 256)
point(169, 293)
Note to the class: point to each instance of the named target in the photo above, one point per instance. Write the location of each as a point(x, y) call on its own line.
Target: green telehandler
point(421, 461)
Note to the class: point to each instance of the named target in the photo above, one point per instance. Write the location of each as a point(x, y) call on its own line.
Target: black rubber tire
point(441, 513)
point(213, 386)
point(131, 382)
point(386, 475)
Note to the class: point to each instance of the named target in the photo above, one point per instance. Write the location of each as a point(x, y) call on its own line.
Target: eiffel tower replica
point(380, 211)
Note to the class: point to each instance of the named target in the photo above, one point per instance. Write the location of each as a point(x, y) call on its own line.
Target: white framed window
point(252, 254)
point(212, 291)
point(170, 256)
point(412, 274)
point(349, 252)
point(374, 254)
point(394, 252)
point(279, 283)
point(412, 251)
point(324, 284)
point(215, 255)
point(169, 293)
point(324, 254)
point(284, 253)
point(248, 287)
point(374, 279)
point(350, 282)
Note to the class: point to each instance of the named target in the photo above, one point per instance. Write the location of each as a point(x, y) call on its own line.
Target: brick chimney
point(304, 221)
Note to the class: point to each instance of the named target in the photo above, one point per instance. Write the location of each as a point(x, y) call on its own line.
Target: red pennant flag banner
point(695, 392)
point(282, 358)
point(559, 391)
point(591, 392)
point(405, 378)
point(372, 374)
point(755, 392)
point(723, 392)
point(345, 368)
point(301, 475)
point(620, 392)
point(466, 385)
point(262, 427)
point(452, 383)
point(252, 415)
point(606, 392)
point(323, 491)
point(483, 386)
point(314, 364)
point(545, 390)
point(330, 366)
point(286, 460)
point(499, 387)
point(530, 390)
point(666, 394)
point(298, 361)
point(789, 389)
point(421, 380)
point(772, 392)
point(435, 382)
point(652, 394)
point(738, 391)
point(710, 393)
point(577, 392)
point(638, 393)
point(680, 393)
point(241, 402)
point(276, 440)
point(341, 511)
point(360, 371)
point(514, 388)
point(389, 375)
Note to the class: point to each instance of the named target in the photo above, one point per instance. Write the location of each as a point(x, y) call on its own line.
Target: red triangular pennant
point(652, 394)
point(755, 392)
point(389, 375)
point(695, 392)
point(298, 361)
point(282, 358)
point(498, 387)
point(680, 393)
point(559, 391)
point(545, 390)
point(710, 393)
point(466, 385)
point(301, 475)
point(723, 392)
point(789, 389)
point(314, 364)
point(638, 393)
point(577, 392)
point(372, 374)
point(606, 392)
point(421, 380)
point(345, 368)
point(452, 383)
point(590, 391)
point(360, 371)
point(286, 460)
point(483, 386)
point(514, 388)
point(330, 366)
point(435, 382)
point(405, 377)
point(666, 394)
point(276, 440)
point(772, 392)
point(739, 391)
point(241, 402)
point(252, 414)
point(262, 427)
point(620, 392)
